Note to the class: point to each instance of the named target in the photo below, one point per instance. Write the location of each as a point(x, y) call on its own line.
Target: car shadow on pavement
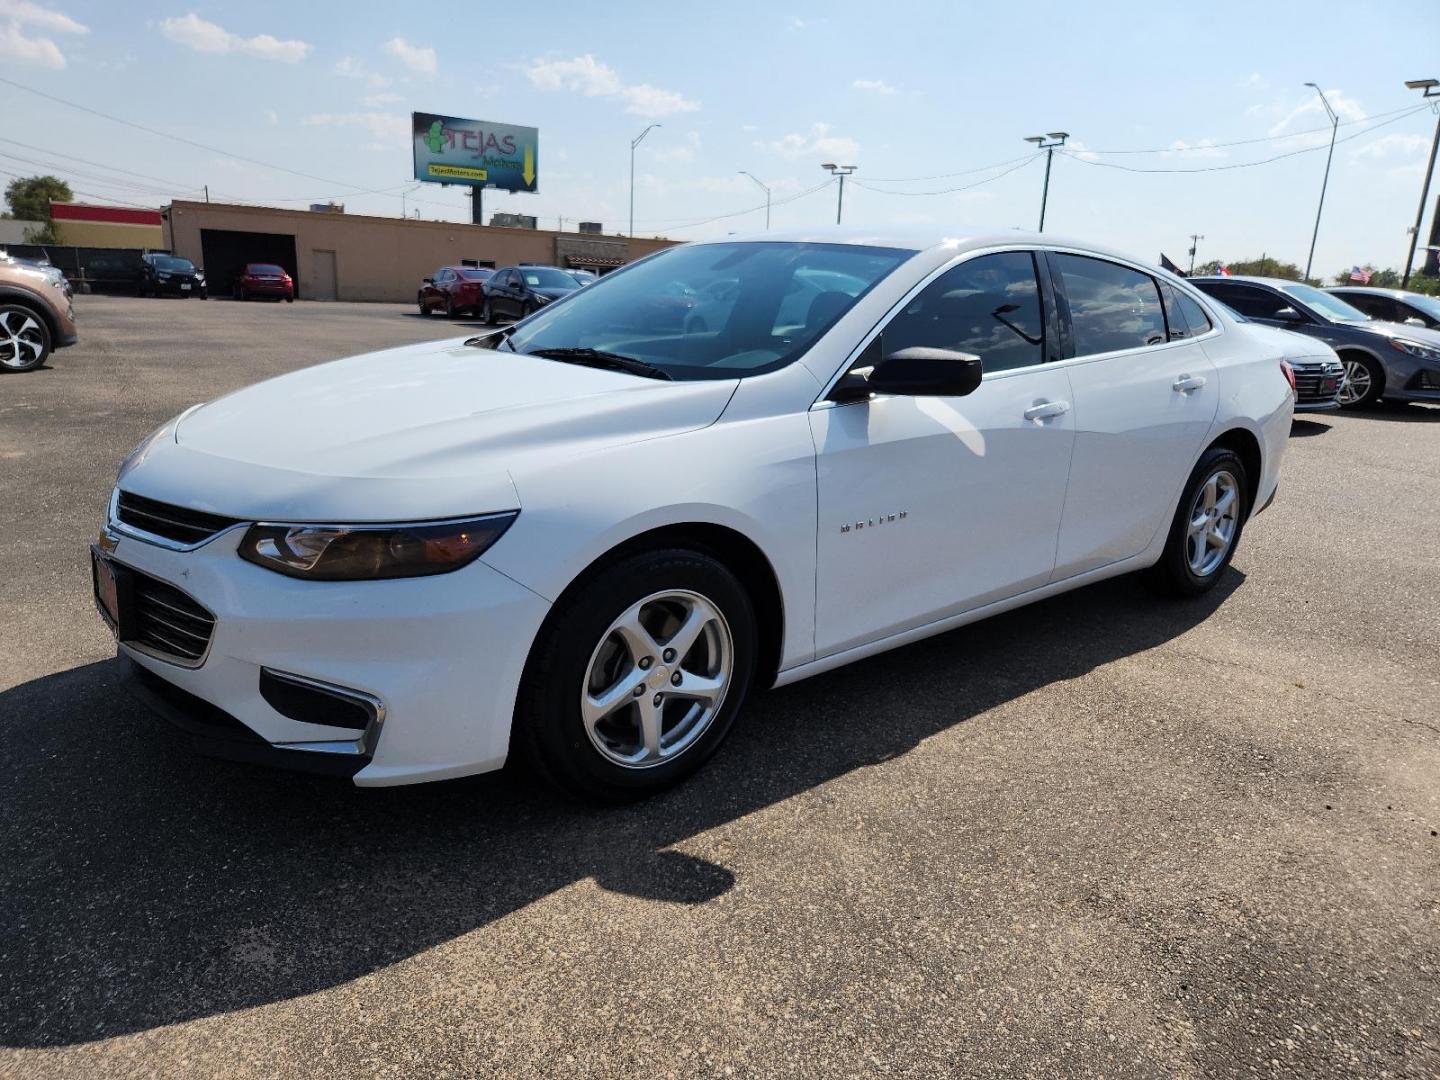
point(145, 886)
point(1303, 429)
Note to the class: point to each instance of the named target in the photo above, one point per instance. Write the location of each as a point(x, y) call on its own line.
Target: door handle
point(1046, 409)
point(1185, 383)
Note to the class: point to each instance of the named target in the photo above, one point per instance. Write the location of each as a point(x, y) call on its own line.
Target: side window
point(1185, 317)
point(989, 306)
point(1111, 306)
point(1251, 302)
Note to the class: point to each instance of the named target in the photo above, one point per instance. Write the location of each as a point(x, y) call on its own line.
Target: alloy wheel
point(1358, 381)
point(1214, 517)
point(22, 339)
point(657, 679)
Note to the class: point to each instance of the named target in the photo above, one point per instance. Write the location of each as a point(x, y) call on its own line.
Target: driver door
point(930, 506)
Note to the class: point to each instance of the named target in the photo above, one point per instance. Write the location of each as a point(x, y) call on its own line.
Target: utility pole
point(1195, 239)
point(1431, 88)
point(1057, 138)
point(1334, 127)
point(407, 191)
point(633, 144)
point(207, 193)
point(767, 196)
point(841, 171)
point(477, 206)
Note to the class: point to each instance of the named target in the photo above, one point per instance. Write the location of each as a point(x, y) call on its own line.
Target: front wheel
point(1364, 380)
point(1206, 527)
point(637, 676)
point(24, 338)
point(420, 301)
point(487, 313)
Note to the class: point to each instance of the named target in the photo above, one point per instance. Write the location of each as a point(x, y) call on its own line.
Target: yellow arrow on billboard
point(529, 173)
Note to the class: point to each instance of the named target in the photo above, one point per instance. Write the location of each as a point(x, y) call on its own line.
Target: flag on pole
point(1360, 274)
point(1222, 270)
point(1166, 264)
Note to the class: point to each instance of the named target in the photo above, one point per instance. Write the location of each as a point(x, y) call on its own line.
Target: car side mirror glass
point(914, 372)
point(428, 281)
point(1413, 321)
point(1289, 314)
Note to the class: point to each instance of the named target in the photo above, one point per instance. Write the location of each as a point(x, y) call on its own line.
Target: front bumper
point(442, 656)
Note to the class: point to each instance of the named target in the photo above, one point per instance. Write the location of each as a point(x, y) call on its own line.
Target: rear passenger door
point(1145, 395)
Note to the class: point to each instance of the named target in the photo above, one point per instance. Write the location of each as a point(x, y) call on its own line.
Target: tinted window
point(1185, 317)
point(1111, 307)
point(540, 277)
point(988, 306)
point(473, 274)
point(1328, 304)
point(170, 262)
point(1250, 300)
point(665, 309)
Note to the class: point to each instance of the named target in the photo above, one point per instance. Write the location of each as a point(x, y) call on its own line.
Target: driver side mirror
point(1413, 321)
point(914, 372)
point(1289, 314)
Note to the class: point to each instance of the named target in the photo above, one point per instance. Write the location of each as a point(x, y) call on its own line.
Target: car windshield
point(170, 262)
point(714, 311)
point(542, 277)
point(1428, 304)
point(1328, 304)
point(265, 268)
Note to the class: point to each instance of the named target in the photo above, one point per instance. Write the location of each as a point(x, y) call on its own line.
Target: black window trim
point(1063, 302)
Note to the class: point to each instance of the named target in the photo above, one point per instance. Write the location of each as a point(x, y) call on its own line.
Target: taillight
point(1289, 374)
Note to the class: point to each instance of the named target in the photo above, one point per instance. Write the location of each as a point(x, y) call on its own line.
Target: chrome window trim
point(365, 744)
point(114, 524)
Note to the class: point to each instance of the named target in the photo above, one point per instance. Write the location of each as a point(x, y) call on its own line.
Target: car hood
point(434, 430)
point(555, 294)
point(1424, 335)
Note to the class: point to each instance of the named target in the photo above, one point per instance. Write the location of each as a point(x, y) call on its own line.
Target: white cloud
point(39, 51)
point(420, 58)
point(195, 33)
point(1310, 113)
point(795, 23)
point(874, 86)
point(378, 101)
point(271, 116)
point(394, 127)
point(351, 68)
point(24, 13)
point(1081, 151)
point(1393, 145)
point(683, 151)
point(588, 76)
point(1203, 148)
point(818, 144)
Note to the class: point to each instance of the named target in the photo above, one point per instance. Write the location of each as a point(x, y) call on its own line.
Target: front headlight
point(368, 552)
point(1414, 348)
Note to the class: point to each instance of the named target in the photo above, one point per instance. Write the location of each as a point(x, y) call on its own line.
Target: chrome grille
point(167, 622)
point(1308, 374)
point(177, 523)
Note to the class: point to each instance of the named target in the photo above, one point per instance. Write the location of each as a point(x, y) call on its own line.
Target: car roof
point(1252, 279)
point(1370, 290)
point(922, 238)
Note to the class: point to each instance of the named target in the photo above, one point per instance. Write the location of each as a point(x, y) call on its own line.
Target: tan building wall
point(108, 234)
point(376, 258)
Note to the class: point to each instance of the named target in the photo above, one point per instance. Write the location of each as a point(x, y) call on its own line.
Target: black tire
point(289, 299)
point(1376, 375)
point(449, 306)
point(487, 313)
point(23, 330)
point(549, 730)
point(1174, 574)
point(420, 300)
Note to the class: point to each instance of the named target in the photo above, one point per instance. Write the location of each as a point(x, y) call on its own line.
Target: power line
point(943, 176)
point(748, 210)
point(1248, 142)
point(87, 194)
point(949, 191)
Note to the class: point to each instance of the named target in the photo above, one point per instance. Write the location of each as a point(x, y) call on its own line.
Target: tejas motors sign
point(449, 150)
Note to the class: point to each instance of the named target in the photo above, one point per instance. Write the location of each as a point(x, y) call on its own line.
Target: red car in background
point(453, 290)
point(264, 279)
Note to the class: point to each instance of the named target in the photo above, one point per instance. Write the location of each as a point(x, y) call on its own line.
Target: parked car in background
point(455, 290)
point(121, 272)
point(1393, 305)
point(591, 544)
point(36, 316)
point(264, 280)
point(513, 292)
point(170, 275)
point(1381, 359)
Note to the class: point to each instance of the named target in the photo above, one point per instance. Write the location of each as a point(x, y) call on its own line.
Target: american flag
point(1223, 270)
point(1360, 274)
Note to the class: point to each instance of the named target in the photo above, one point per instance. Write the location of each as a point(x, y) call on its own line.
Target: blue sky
point(915, 94)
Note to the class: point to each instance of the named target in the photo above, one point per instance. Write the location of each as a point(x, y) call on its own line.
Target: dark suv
point(1382, 359)
point(162, 275)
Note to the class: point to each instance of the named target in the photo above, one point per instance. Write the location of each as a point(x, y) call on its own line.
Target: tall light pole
point(841, 171)
point(1334, 127)
point(767, 196)
point(633, 144)
point(1431, 87)
point(1195, 239)
point(1057, 138)
point(407, 191)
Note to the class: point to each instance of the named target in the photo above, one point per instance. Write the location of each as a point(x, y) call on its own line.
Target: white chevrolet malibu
point(589, 536)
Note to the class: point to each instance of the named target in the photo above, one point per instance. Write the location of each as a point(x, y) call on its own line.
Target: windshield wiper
point(598, 358)
point(482, 341)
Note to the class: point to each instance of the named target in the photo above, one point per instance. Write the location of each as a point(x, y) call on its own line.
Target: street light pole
point(841, 171)
point(767, 196)
point(1334, 127)
point(1195, 239)
point(1057, 138)
point(1431, 87)
point(633, 144)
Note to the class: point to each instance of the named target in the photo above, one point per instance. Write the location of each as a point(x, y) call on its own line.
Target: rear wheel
point(24, 338)
point(449, 307)
point(637, 676)
point(420, 301)
point(1206, 526)
point(1364, 381)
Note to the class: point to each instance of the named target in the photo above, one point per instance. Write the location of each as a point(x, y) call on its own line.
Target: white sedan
point(589, 536)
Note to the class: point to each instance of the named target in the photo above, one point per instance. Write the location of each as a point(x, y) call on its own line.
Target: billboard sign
point(449, 150)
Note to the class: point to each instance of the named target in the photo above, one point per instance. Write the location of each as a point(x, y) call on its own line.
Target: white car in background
point(587, 538)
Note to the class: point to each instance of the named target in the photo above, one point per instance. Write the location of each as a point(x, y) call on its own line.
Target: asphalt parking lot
point(1101, 836)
